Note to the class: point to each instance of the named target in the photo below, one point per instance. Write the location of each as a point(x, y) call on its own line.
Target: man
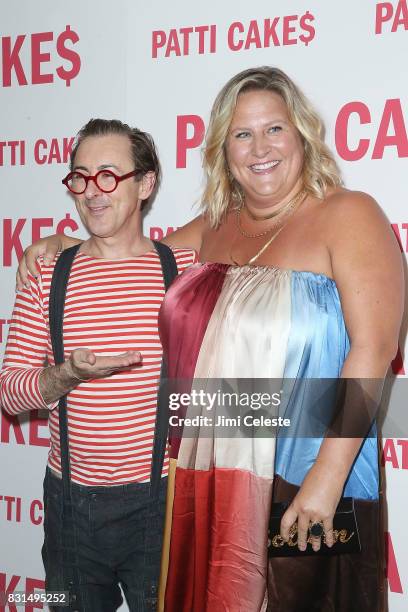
point(110, 375)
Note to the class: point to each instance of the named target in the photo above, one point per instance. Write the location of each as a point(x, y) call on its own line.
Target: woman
point(303, 280)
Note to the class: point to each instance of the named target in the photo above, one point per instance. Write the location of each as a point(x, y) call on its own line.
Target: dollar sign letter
point(67, 222)
point(306, 38)
point(68, 54)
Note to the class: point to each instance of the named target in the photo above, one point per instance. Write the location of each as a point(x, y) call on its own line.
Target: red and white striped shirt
point(111, 307)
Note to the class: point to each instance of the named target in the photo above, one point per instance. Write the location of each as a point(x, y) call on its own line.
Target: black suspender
point(169, 268)
point(168, 263)
point(56, 317)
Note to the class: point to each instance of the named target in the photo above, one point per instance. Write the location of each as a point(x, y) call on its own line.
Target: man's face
point(112, 214)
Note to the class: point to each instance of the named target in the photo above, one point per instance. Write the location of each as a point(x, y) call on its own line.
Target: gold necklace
point(287, 209)
point(273, 214)
point(272, 238)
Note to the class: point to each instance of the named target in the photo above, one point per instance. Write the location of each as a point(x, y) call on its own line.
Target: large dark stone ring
point(316, 529)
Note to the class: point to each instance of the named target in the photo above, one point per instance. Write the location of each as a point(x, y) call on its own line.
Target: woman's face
point(264, 149)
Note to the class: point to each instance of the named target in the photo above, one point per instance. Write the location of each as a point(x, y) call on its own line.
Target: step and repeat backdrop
point(159, 66)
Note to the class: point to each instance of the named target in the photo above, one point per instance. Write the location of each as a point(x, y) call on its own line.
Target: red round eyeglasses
point(105, 180)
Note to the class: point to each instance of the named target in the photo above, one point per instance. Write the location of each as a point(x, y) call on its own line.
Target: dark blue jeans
point(118, 532)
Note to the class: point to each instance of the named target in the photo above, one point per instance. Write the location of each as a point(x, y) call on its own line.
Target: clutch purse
point(345, 531)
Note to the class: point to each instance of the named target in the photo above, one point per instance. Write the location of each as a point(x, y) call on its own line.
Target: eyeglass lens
point(105, 181)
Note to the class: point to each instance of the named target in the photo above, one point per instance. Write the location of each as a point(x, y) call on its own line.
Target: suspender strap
point(169, 268)
point(168, 263)
point(56, 317)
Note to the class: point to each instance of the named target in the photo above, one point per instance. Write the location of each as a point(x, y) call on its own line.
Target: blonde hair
point(320, 170)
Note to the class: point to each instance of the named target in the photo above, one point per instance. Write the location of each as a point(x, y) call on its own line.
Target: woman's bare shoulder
point(356, 225)
point(190, 235)
point(345, 204)
point(352, 213)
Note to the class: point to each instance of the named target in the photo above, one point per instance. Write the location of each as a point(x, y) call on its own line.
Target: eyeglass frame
point(88, 177)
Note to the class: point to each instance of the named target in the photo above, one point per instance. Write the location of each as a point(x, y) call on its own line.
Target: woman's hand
point(48, 247)
point(315, 502)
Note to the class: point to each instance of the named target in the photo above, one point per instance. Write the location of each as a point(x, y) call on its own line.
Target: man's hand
point(48, 247)
point(82, 365)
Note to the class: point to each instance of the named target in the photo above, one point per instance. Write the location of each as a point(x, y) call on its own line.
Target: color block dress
point(221, 321)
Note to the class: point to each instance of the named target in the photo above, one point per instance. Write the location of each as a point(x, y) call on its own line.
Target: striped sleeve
point(25, 355)
point(184, 258)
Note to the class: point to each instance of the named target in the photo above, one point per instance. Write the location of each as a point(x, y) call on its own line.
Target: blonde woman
point(300, 278)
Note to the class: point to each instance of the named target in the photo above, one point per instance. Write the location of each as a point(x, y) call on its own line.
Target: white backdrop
point(159, 66)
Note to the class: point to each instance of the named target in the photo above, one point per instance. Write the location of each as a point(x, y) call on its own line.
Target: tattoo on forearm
point(56, 381)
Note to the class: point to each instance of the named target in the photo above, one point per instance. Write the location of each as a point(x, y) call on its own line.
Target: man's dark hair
point(143, 149)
